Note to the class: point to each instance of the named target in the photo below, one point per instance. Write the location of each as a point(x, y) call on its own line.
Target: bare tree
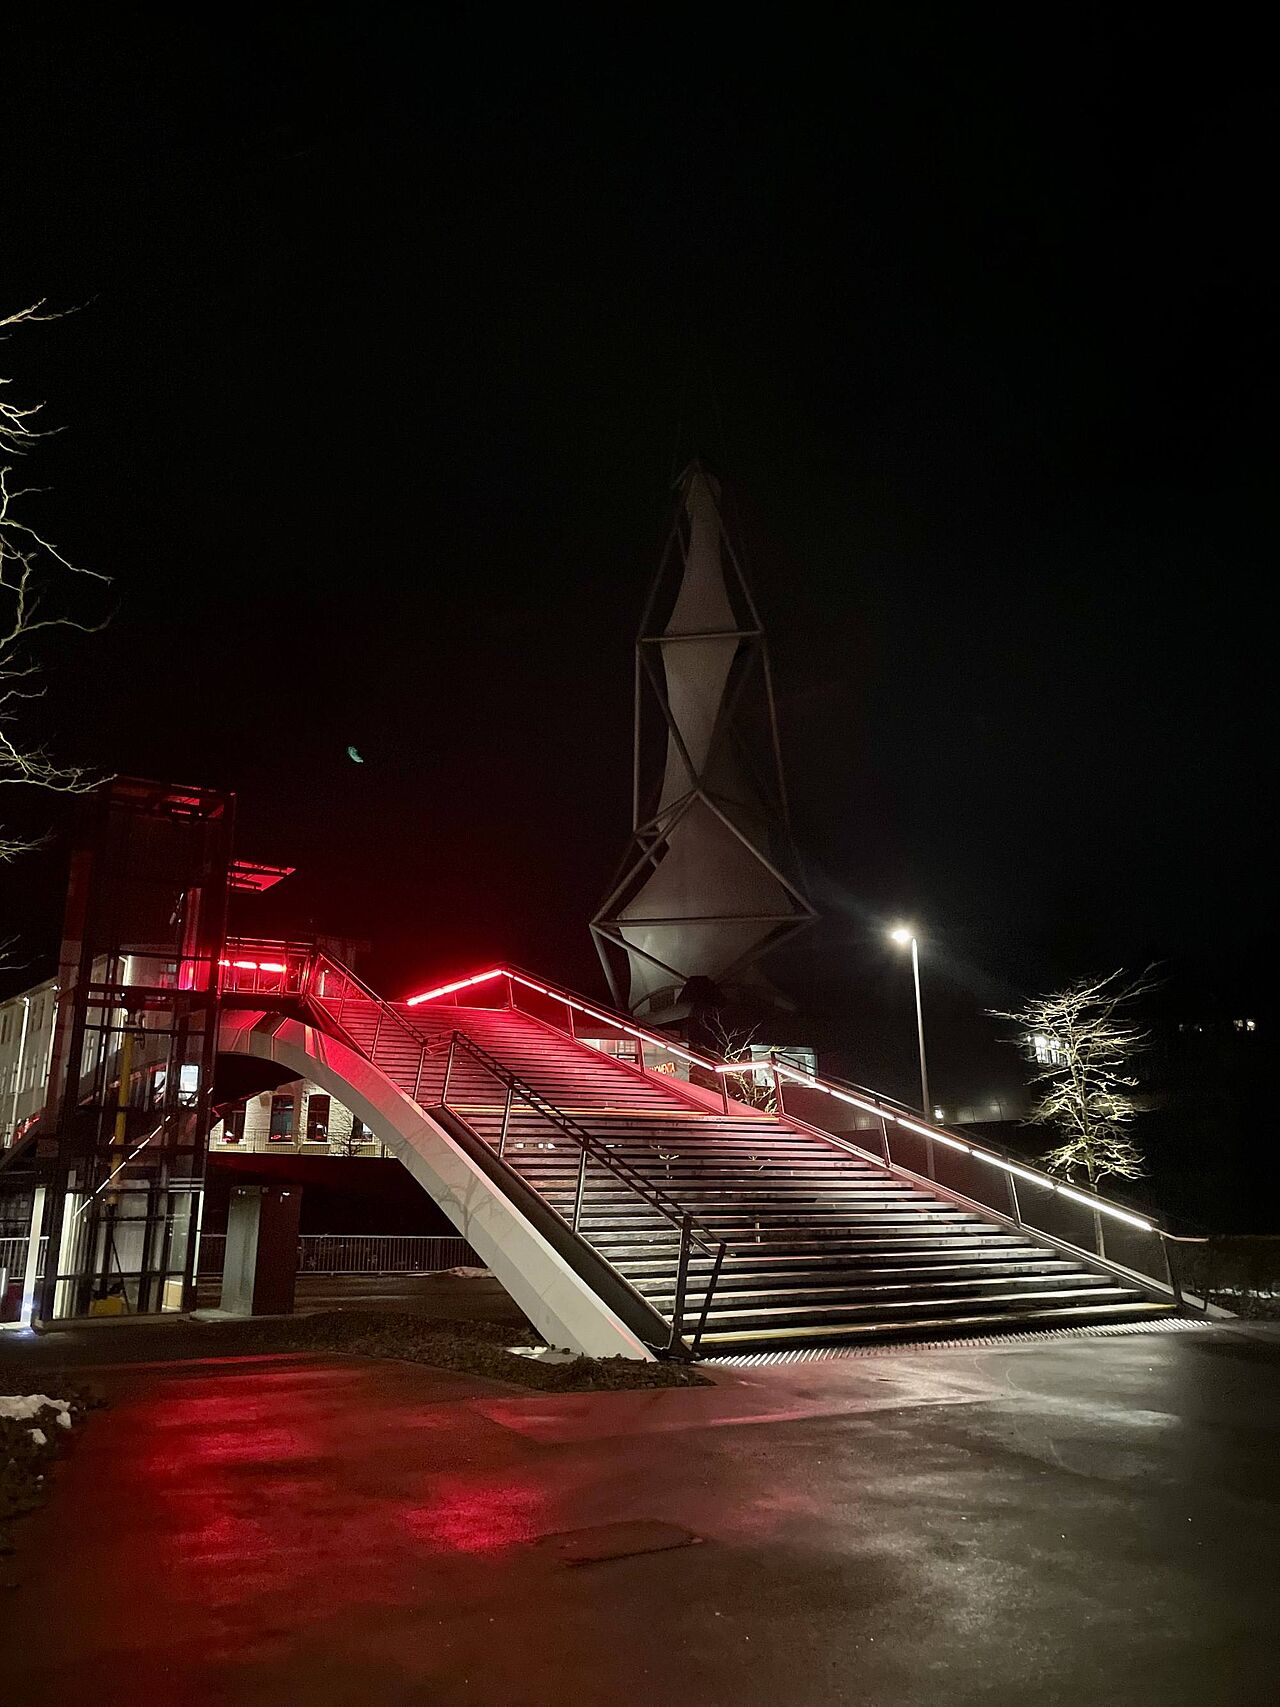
point(734, 1044)
point(1081, 1039)
point(349, 1143)
point(31, 570)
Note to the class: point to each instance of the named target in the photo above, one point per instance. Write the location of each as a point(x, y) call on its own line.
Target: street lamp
point(903, 935)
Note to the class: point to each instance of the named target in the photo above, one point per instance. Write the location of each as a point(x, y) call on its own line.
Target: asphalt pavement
point(1077, 1520)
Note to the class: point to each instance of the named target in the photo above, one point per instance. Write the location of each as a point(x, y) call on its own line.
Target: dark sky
point(395, 331)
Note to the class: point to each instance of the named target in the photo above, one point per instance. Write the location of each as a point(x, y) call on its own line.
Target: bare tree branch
point(31, 570)
point(734, 1044)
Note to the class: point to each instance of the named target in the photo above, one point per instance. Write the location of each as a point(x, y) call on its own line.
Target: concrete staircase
point(822, 1247)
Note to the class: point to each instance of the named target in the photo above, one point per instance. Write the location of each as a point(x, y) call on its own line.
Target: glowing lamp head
point(901, 934)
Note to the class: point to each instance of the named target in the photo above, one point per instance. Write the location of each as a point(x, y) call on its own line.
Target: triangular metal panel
point(709, 883)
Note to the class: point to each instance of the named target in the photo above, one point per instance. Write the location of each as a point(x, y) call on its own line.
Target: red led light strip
point(458, 984)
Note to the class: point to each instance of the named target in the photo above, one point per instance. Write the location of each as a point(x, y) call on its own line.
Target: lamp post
point(903, 935)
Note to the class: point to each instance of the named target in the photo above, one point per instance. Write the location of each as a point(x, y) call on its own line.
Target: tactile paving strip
point(1030, 1336)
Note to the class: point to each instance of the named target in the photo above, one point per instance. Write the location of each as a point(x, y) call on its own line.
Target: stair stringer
point(556, 1300)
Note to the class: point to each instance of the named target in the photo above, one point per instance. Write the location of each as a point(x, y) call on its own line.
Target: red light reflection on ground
point(466, 1515)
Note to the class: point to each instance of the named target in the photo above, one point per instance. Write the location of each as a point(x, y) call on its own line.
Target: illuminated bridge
point(634, 1201)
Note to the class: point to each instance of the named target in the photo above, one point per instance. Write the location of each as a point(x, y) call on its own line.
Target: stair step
point(732, 1299)
point(771, 1315)
point(960, 1323)
point(732, 1279)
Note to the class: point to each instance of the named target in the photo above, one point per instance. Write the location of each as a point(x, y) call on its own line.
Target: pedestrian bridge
point(635, 1201)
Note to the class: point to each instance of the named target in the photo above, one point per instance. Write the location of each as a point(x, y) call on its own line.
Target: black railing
point(691, 1235)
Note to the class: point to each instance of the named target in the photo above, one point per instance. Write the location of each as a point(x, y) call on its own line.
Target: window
point(233, 1124)
point(797, 1055)
point(360, 1133)
point(281, 1120)
point(317, 1119)
point(1048, 1051)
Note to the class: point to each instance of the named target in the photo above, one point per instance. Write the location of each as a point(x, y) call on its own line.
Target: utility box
point(261, 1261)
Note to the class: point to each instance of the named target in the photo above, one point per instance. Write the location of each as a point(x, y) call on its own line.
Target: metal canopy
point(709, 883)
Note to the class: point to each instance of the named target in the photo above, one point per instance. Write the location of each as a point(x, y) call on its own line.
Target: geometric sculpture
point(709, 882)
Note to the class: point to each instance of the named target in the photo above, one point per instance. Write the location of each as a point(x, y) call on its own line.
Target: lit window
point(233, 1125)
point(1048, 1052)
point(796, 1055)
point(317, 1119)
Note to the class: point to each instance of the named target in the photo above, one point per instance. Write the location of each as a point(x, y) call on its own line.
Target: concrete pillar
point(261, 1260)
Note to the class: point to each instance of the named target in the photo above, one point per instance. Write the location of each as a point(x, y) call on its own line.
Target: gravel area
point(29, 1447)
point(476, 1348)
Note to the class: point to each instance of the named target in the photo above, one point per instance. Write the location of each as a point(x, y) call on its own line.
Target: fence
point(13, 1254)
point(13, 1270)
point(358, 1253)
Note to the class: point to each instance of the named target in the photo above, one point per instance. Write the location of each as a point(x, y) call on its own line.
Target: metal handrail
point(625, 1172)
point(528, 1094)
point(638, 1182)
point(888, 1110)
point(871, 1102)
point(324, 961)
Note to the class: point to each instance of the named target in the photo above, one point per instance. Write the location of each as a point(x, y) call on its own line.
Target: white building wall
point(26, 1042)
point(257, 1127)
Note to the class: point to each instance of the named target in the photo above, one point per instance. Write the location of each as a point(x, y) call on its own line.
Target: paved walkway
point(1083, 1521)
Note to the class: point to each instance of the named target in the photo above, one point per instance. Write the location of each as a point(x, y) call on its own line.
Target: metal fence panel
point(359, 1253)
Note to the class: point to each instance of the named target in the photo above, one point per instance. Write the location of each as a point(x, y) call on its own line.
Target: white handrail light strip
point(1105, 1208)
point(1012, 1168)
point(611, 1020)
point(788, 1072)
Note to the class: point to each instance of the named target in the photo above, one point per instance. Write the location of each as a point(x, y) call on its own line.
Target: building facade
point(26, 1044)
point(298, 1117)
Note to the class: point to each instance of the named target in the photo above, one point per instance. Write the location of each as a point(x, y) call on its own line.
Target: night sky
point(396, 332)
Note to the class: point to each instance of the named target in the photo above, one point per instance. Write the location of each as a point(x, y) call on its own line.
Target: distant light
point(900, 933)
point(354, 756)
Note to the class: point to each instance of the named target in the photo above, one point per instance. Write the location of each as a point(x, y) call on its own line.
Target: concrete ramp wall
point(556, 1300)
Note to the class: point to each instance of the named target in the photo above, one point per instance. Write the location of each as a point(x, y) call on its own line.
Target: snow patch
point(541, 1353)
point(21, 1407)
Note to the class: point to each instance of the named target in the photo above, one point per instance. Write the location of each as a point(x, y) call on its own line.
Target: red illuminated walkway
point(1082, 1521)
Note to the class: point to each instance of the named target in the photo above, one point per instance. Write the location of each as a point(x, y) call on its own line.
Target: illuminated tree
point(1081, 1039)
point(32, 576)
point(733, 1044)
